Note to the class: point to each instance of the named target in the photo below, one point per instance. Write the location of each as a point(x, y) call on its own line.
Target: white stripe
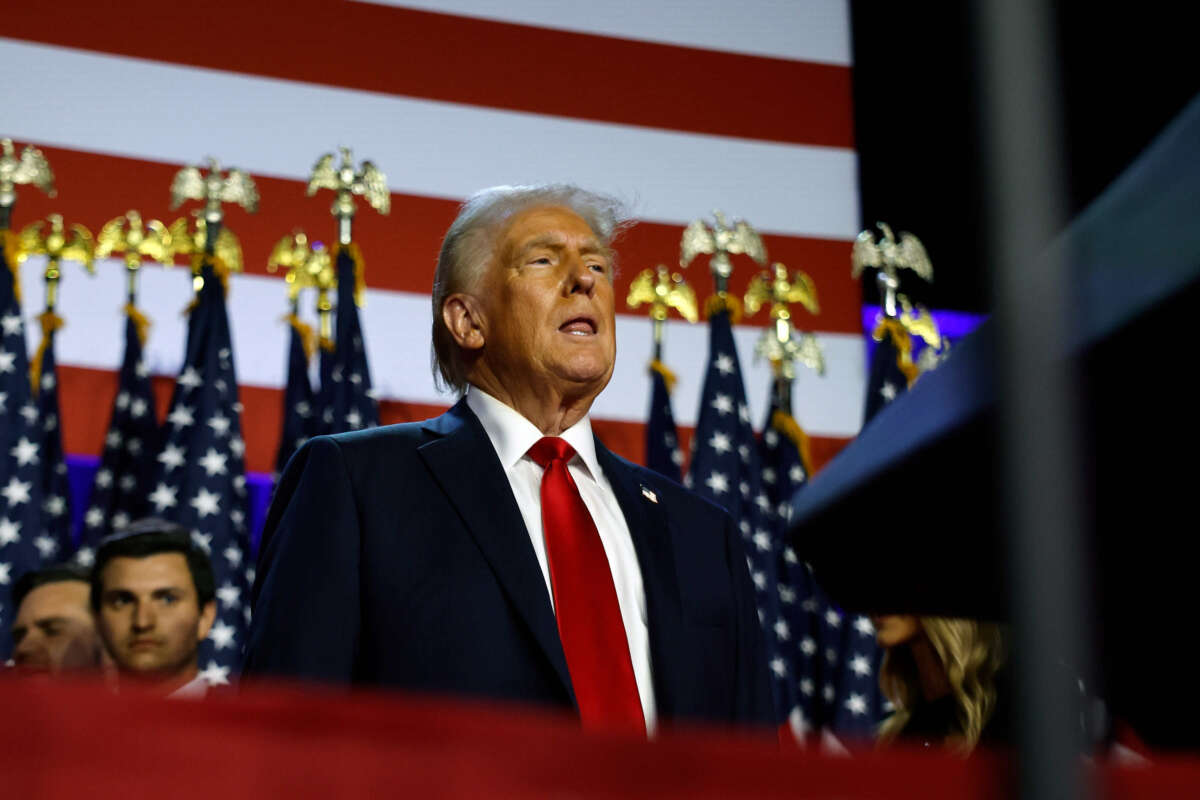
point(173, 114)
point(396, 327)
point(802, 30)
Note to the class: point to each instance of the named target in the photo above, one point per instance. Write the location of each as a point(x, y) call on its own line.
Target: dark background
point(1125, 71)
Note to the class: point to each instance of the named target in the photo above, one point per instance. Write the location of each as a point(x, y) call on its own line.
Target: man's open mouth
point(579, 326)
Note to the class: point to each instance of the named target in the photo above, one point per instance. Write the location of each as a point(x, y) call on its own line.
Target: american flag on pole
point(128, 463)
point(201, 481)
point(725, 468)
point(663, 452)
point(298, 412)
point(351, 402)
point(641, 123)
point(835, 660)
point(887, 379)
point(20, 447)
point(55, 542)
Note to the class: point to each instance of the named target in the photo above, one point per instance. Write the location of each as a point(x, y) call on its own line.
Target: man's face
point(548, 305)
point(150, 617)
point(53, 631)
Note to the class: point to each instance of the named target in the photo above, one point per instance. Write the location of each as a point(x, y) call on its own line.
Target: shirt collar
point(512, 434)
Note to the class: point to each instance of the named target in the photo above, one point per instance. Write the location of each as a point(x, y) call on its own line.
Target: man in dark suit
point(500, 550)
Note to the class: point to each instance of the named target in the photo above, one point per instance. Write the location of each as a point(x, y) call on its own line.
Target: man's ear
point(208, 615)
point(463, 318)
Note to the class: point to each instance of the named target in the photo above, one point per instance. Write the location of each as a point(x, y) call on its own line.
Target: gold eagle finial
point(308, 264)
point(346, 181)
point(58, 243)
point(31, 168)
point(136, 241)
point(214, 188)
point(779, 345)
point(890, 256)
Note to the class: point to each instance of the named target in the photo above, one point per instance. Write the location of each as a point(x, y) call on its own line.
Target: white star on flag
point(181, 416)
point(205, 502)
point(138, 407)
point(11, 324)
point(122, 400)
point(103, 478)
point(6, 361)
point(16, 492)
point(55, 505)
point(762, 540)
point(30, 413)
point(203, 541)
point(233, 555)
point(723, 403)
point(4, 578)
point(720, 442)
point(45, 545)
point(85, 557)
point(10, 532)
point(864, 626)
point(860, 665)
point(833, 619)
point(219, 423)
point(229, 595)
point(718, 483)
point(213, 462)
point(171, 457)
point(94, 517)
point(190, 379)
point(724, 363)
point(26, 452)
point(215, 675)
point(808, 646)
point(888, 391)
point(163, 497)
point(221, 635)
point(113, 439)
point(782, 632)
point(856, 704)
point(778, 666)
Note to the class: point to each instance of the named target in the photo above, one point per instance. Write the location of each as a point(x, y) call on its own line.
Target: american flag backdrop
point(679, 108)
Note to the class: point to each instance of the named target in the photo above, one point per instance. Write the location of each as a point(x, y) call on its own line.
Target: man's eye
point(118, 602)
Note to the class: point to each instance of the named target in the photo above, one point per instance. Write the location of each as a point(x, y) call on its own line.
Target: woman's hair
point(971, 652)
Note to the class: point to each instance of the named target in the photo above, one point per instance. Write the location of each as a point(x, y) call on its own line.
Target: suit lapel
point(465, 464)
point(651, 535)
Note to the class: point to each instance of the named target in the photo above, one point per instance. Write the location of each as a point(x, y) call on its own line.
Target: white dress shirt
point(512, 435)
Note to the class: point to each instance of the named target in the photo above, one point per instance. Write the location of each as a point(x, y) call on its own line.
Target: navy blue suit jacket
point(398, 557)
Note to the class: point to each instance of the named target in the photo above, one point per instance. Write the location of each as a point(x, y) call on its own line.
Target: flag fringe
point(360, 281)
point(669, 377)
point(786, 424)
point(141, 322)
point(50, 323)
point(308, 337)
point(903, 344)
point(12, 252)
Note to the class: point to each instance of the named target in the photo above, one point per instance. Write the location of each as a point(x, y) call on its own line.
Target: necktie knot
point(551, 448)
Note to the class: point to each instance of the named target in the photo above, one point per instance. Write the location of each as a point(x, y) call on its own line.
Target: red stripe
point(86, 396)
point(400, 250)
point(477, 62)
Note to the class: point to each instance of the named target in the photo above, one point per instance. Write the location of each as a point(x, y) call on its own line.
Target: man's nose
point(580, 277)
point(31, 650)
point(143, 616)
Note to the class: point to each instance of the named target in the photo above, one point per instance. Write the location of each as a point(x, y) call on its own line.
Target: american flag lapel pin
point(649, 495)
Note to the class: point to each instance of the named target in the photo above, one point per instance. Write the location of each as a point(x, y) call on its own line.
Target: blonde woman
point(940, 674)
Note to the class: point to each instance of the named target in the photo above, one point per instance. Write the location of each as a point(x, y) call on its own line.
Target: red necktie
point(585, 602)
